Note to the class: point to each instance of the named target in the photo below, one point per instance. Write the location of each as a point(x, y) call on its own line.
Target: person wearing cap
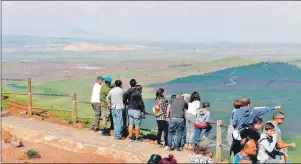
point(105, 111)
point(95, 102)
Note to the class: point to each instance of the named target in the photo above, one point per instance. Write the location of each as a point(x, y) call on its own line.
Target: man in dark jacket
point(136, 109)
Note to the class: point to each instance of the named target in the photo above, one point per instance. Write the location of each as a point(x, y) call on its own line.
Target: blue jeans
point(197, 133)
point(184, 138)
point(176, 127)
point(118, 121)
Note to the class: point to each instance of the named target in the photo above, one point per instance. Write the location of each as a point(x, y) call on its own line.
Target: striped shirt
point(163, 105)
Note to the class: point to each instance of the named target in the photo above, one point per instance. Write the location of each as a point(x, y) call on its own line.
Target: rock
point(6, 136)
point(79, 125)
point(22, 156)
point(23, 113)
point(37, 155)
point(4, 114)
point(16, 142)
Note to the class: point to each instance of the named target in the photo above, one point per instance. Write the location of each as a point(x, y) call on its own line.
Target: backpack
point(275, 151)
point(244, 132)
point(154, 159)
point(157, 108)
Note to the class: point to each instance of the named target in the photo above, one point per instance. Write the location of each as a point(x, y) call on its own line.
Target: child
point(267, 145)
point(202, 122)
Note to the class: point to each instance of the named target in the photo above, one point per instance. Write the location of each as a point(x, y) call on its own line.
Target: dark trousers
point(162, 126)
point(111, 120)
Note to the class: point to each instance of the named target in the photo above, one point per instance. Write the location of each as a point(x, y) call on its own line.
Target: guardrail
point(29, 107)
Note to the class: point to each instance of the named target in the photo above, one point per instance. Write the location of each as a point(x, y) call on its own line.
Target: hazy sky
point(181, 21)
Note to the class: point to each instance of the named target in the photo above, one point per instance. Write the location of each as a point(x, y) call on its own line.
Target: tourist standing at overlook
point(160, 111)
point(202, 122)
point(115, 102)
point(267, 145)
point(105, 111)
point(237, 105)
point(176, 114)
point(247, 130)
point(278, 119)
point(136, 109)
point(194, 104)
point(246, 114)
point(95, 102)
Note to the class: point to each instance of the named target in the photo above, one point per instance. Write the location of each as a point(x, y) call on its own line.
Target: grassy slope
point(82, 86)
point(294, 153)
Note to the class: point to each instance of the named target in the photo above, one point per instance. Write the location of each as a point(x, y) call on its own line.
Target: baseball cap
point(108, 79)
point(99, 78)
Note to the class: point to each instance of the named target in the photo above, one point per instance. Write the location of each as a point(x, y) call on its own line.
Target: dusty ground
point(49, 154)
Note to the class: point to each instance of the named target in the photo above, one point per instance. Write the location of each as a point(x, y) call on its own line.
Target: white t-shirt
point(193, 106)
point(95, 98)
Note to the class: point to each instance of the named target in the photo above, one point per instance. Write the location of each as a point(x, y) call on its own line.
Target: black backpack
point(154, 159)
point(246, 131)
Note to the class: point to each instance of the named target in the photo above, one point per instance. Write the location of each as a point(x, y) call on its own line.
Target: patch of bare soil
point(49, 154)
point(93, 47)
point(16, 109)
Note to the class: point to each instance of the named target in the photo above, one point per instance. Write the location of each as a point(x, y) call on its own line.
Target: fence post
point(29, 97)
point(74, 108)
point(218, 141)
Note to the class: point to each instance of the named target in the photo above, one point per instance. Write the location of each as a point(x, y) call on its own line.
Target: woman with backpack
point(160, 109)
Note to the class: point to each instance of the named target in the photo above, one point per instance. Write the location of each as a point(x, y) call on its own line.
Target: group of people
point(247, 144)
point(109, 102)
point(183, 118)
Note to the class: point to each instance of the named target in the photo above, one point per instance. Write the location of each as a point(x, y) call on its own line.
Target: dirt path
point(50, 154)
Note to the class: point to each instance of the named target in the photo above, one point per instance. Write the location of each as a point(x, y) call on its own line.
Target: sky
point(194, 21)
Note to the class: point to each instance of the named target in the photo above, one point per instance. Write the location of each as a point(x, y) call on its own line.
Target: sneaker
point(131, 139)
point(180, 149)
point(204, 138)
point(138, 140)
point(166, 147)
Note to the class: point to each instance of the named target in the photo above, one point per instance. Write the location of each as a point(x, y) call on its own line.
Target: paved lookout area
point(77, 140)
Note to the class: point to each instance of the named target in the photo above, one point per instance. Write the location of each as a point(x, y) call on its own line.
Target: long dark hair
point(159, 93)
point(195, 96)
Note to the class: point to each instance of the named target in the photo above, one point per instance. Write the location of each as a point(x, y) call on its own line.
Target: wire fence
point(82, 109)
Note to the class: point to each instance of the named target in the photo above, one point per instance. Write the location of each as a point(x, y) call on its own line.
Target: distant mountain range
point(77, 36)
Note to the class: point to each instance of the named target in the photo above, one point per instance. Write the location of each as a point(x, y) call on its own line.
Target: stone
point(22, 156)
point(23, 113)
point(80, 126)
point(4, 114)
point(16, 142)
